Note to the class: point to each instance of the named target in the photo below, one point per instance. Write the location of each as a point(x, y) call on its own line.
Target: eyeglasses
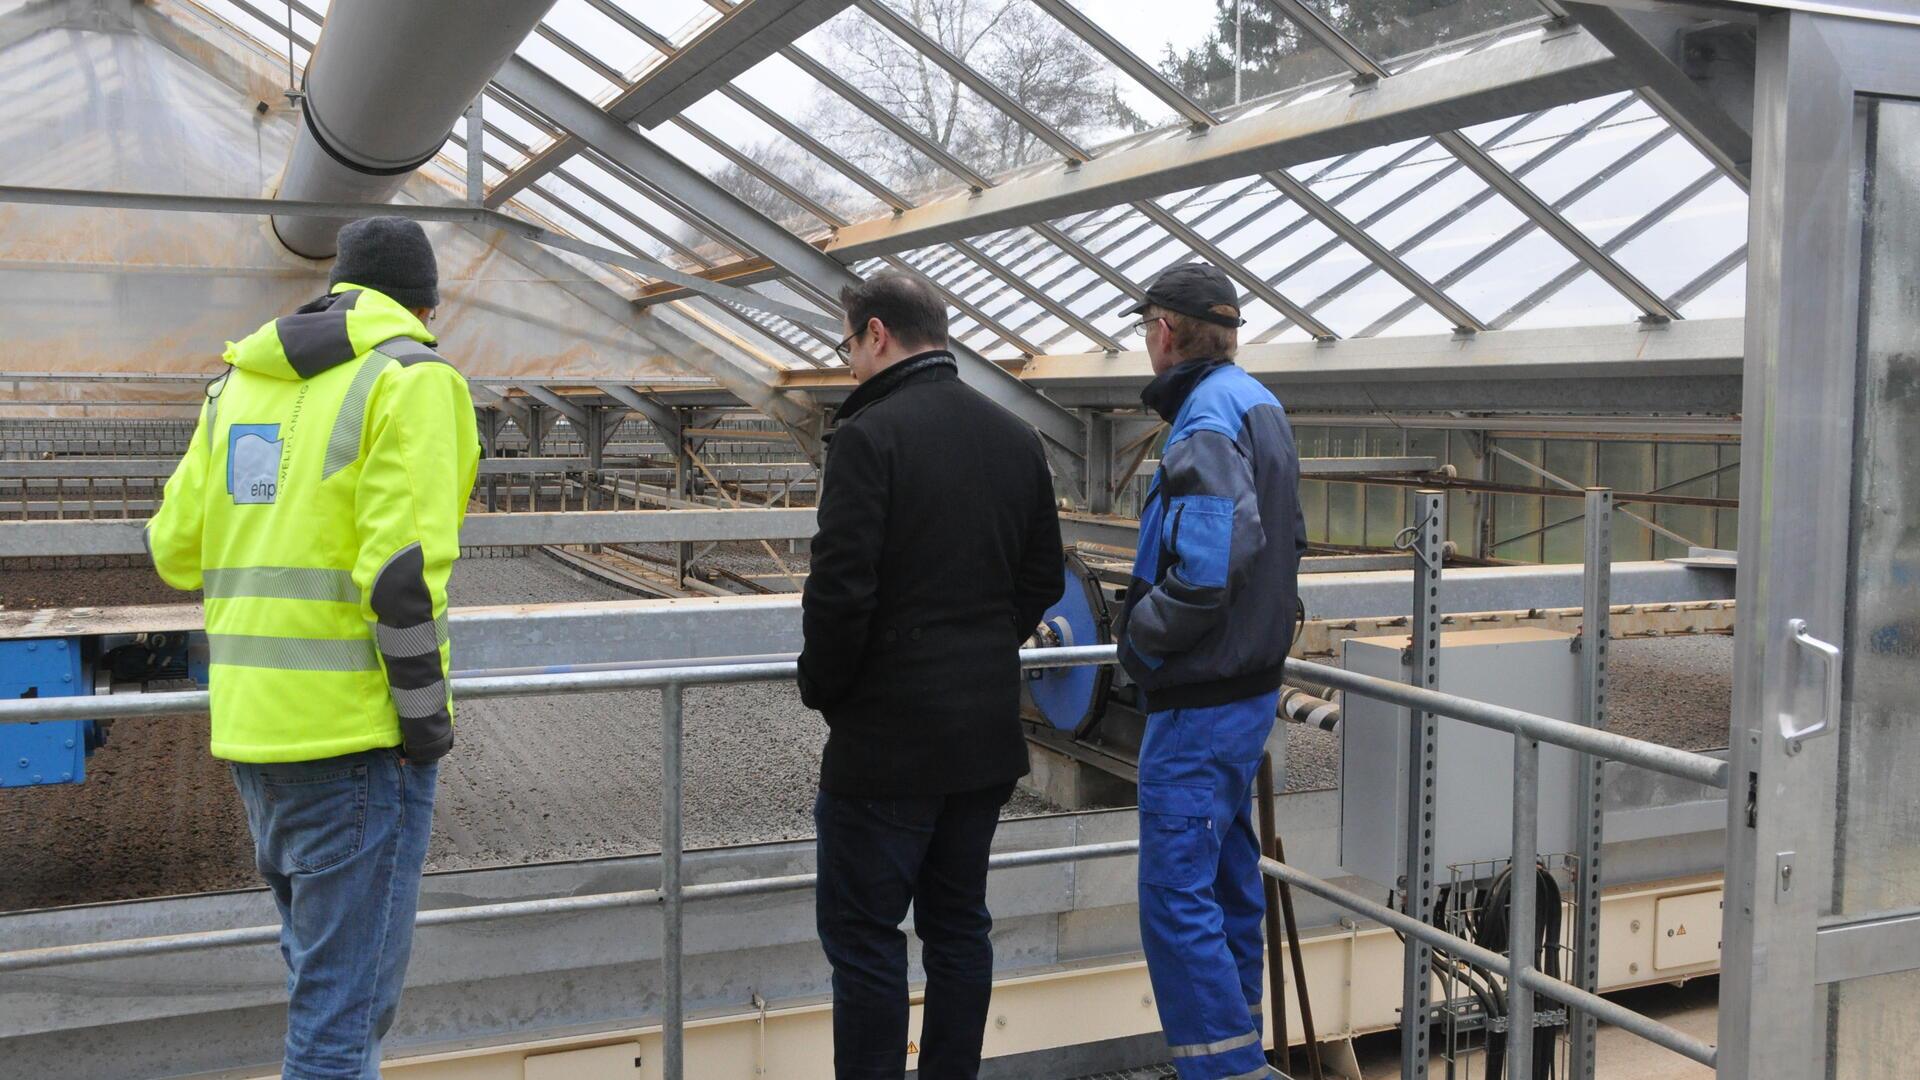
point(1140, 327)
point(844, 350)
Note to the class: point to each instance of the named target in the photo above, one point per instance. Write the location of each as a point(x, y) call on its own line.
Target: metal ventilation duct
point(386, 83)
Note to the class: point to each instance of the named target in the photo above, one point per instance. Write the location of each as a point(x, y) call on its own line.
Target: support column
point(489, 424)
point(536, 428)
point(1097, 491)
point(682, 477)
point(593, 438)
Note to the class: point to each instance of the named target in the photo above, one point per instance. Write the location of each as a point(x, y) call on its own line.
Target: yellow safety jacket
point(318, 508)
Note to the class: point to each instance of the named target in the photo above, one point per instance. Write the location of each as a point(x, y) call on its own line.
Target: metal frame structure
point(1529, 730)
point(1362, 216)
point(1489, 76)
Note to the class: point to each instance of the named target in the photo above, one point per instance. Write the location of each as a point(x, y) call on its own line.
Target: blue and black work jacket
point(1209, 614)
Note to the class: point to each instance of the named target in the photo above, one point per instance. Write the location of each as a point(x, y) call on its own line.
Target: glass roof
point(893, 104)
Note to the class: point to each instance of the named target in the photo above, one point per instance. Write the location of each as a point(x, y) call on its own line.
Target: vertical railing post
point(1595, 633)
point(1524, 887)
point(673, 1029)
point(1428, 533)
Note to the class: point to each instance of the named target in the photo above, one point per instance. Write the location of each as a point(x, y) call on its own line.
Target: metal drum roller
point(1073, 699)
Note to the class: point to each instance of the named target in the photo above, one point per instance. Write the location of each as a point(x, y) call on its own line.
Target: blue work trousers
point(1201, 901)
point(340, 842)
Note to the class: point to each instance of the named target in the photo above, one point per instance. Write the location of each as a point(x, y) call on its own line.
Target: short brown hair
point(904, 303)
point(1195, 339)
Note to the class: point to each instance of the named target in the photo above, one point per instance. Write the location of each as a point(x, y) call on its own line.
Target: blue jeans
point(341, 841)
point(875, 857)
point(1202, 902)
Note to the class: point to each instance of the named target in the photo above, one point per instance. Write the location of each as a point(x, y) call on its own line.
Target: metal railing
point(1529, 731)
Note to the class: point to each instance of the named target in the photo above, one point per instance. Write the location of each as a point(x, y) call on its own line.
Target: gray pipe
point(385, 86)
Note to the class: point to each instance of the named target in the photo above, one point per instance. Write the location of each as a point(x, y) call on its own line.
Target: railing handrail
point(1612, 746)
point(1529, 729)
point(92, 952)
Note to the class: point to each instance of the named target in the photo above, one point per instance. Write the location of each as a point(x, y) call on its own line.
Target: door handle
point(1829, 656)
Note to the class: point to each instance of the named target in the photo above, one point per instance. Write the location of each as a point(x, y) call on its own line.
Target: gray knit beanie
point(390, 254)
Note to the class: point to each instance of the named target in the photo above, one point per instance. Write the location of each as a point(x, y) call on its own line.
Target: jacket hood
point(344, 324)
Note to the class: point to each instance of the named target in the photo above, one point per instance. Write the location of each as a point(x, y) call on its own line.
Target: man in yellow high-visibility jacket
point(318, 509)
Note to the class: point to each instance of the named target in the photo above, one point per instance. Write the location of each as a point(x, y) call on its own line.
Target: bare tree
point(1028, 56)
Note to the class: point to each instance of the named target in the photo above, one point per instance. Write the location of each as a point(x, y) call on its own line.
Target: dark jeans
point(876, 856)
point(341, 841)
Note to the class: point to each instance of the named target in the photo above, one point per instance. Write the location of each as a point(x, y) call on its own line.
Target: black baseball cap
point(1195, 289)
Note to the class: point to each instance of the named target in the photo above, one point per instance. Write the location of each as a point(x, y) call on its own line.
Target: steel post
point(681, 479)
point(1099, 471)
point(673, 1030)
point(1522, 892)
point(1596, 601)
point(1427, 537)
point(477, 151)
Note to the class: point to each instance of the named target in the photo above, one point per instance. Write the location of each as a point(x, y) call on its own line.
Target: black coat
point(937, 553)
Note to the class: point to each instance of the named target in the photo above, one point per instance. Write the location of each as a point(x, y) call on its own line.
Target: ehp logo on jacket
point(253, 462)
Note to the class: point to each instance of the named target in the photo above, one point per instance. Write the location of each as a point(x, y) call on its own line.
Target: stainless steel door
point(1822, 942)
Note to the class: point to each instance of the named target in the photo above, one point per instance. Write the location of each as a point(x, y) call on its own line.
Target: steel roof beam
point(663, 419)
point(661, 44)
point(1488, 85)
point(1482, 165)
point(1647, 42)
point(1374, 251)
point(552, 400)
point(1614, 243)
point(661, 91)
point(819, 275)
point(741, 38)
point(1025, 288)
point(1519, 232)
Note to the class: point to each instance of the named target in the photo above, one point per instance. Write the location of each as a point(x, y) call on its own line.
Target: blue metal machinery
point(55, 752)
point(1073, 699)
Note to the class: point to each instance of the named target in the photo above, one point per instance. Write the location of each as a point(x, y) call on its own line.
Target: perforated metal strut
point(1427, 539)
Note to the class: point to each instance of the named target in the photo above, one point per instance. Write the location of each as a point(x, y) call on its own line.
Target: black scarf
point(886, 382)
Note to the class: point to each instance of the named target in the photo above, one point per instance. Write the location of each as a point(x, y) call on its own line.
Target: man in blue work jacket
point(1204, 635)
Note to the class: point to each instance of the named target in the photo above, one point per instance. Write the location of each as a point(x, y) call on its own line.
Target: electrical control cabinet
point(1534, 670)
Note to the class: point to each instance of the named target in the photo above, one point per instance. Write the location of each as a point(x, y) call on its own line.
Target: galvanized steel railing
point(1529, 730)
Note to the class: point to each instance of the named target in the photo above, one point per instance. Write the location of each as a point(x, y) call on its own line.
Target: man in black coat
point(937, 553)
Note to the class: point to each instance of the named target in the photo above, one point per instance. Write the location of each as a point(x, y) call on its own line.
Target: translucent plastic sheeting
point(795, 138)
point(89, 290)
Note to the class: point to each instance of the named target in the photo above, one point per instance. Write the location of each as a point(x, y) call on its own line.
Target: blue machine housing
point(1073, 699)
point(54, 752)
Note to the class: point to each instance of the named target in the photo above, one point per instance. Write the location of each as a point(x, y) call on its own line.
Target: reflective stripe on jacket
point(318, 508)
